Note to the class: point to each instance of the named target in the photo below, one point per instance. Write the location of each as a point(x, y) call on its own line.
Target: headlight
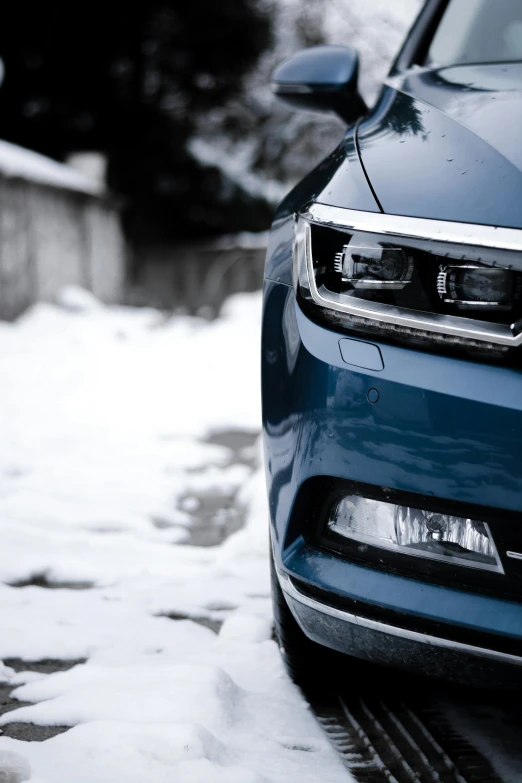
point(420, 282)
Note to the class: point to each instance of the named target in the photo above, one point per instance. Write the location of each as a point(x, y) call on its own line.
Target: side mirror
point(322, 78)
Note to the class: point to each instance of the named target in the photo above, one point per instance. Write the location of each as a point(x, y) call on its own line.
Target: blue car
point(392, 359)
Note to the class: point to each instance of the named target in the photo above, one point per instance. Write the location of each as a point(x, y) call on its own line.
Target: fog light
point(411, 531)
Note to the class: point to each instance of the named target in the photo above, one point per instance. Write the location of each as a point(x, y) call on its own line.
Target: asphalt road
point(394, 728)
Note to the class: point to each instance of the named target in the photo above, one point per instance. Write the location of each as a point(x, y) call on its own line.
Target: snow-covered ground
point(105, 415)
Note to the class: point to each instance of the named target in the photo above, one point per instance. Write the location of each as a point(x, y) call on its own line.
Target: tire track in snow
point(388, 739)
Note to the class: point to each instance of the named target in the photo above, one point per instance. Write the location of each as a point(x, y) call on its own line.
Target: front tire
point(309, 664)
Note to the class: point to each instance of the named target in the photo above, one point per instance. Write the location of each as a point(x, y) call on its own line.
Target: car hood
point(447, 144)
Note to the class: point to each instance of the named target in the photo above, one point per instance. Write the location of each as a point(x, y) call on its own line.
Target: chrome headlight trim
point(411, 228)
point(416, 228)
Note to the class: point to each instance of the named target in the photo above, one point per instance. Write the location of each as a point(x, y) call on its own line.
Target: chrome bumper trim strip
point(293, 593)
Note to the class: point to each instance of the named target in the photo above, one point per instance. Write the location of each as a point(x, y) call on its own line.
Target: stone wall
point(51, 237)
point(196, 276)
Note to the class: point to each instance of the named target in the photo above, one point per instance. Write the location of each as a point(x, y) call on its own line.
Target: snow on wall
point(25, 164)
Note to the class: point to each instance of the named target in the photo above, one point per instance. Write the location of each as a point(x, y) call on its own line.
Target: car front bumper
point(386, 642)
point(442, 427)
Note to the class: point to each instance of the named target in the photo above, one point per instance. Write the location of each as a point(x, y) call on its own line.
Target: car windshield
point(478, 31)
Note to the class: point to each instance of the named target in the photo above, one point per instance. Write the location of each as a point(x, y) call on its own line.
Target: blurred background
point(176, 152)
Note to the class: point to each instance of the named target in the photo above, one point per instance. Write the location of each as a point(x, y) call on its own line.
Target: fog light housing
point(411, 531)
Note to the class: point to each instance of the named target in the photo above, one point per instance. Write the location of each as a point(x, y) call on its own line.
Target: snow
point(13, 768)
point(18, 162)
point(103, 452)
point(91, 164)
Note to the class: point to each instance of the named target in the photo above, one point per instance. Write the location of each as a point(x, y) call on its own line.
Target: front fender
point(339, 179)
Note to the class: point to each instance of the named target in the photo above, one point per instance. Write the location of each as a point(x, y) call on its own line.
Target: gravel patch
point(29, 732)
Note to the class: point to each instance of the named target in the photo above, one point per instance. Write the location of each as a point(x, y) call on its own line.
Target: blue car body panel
point(407, 596)
point(442, 426)
point(440, 143)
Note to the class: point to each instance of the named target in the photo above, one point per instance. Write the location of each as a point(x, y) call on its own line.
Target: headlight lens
point(443, 537)
point(471, 287)
point(410, 289)
point(374, 268)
